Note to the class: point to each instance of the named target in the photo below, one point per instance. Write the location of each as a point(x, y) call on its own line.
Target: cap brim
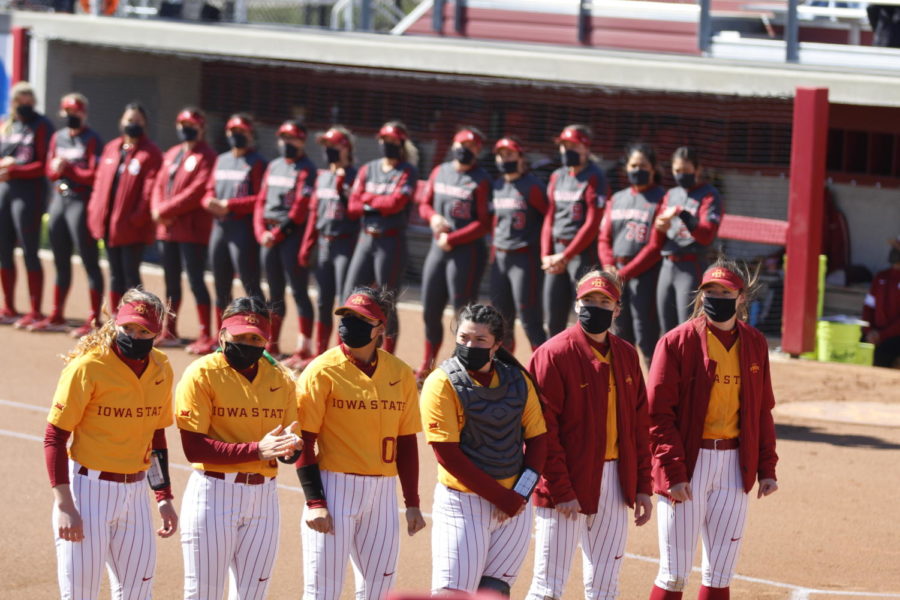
point(723, 282)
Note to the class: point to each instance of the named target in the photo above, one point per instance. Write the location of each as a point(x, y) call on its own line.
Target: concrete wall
point(873, 216)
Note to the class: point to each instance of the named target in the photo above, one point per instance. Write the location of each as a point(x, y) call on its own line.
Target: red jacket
point(681, 379)
point(181, 204)
point(128, 213)
point(882, 307)
point(574, 386)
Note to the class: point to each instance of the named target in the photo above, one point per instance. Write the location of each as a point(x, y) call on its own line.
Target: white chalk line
point(799, 592)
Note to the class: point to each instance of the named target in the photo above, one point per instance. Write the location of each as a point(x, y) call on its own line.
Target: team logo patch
point(358, 300)
point(719, 274)
point(59, 406)
point(252, 319)
point(629, 380)
point(190, 163)
point(140, 309)
point(184, 413)
point(754, 368)
point(433, 425)
point(134, 167)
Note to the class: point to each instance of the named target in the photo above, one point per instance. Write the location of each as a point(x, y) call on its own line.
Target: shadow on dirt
point(803, 433)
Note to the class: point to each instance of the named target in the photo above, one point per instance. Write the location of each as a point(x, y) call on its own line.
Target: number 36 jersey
point(628, 221)
point(358, 418)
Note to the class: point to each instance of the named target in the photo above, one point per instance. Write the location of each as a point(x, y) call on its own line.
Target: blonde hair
point(749, 276)
point(22, 87)
point(604, 274)
point(101, 340)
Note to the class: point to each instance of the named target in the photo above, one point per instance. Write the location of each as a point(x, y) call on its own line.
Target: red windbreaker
point(681, 379)
point(181, 203)
point(574, 386)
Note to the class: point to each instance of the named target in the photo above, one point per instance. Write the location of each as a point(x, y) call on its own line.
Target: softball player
point(456, 205)
point(519, 204)
point(182, 226)
point(231, 198)
point(598, 463)
point(625, 233)
point(24, 137)
point(114, 398)
point(358, 404)
point(711, 433)
point(71, 166)
point(577, 194)
point(381, 196)
point(478, 409)
point(688, 222)
point(331, 228)
point(279, 219)
point(882, 311)
point(119, 208)
point(225, 402)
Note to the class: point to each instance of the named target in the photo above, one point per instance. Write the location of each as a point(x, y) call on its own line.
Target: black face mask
point(354, 332)
point(133, 130)
point(719, 309)
point(73, 121)
point(187, 134)
point(237, 140)
point(288, 150)
point(332, 155)
point(508, 167)
point(639, 177)
point(25, 112)
point(390, 150)
point(463, 155)
point(686, 180)
point(132, 347)
point(570, 158)
point(471, 358)
point(242, 356)
point(594, 319)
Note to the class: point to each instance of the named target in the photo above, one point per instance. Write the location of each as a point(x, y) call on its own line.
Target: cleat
point(49, 325)
point(28, 320)
point(8, 316)
point(203, 345)
point(80, 332)
point(168, 340)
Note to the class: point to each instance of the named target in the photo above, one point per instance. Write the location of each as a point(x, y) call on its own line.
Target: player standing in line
point(456, 205)
point(331, 228)
point(24, 138)
point(183, 226)
point(519, 204)
point(119, 209)
point(711, 433)
point(577, 194)
point(882, 311)
point(359, 404)
point(280, 219)
point(231, 198)
point(381, 197)
point(71, 167)
point(225, 402)
point(598, 459)
point(114, 398)
point(479, 408)
point(687, 225)
point(625, 231)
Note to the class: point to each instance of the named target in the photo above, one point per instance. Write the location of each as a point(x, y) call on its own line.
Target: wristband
point(158, 473)
point(526, 482)
point(311, 482)
point(287, 227)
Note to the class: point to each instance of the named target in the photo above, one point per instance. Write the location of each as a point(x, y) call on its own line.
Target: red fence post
point(805, 207)
point(19, 54)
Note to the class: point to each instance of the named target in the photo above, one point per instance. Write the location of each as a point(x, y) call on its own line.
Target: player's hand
point(7, 161)
point(643, 508)
point(611, 268)
point(319, 519)
point(569, 509)
point(873, 337)
point(70, 525)
point(443, 243)
point(438, 224)
point(681, 492)
point(766, 487)
point(278, 442)
point(57, 165)
point(415, 522)
point(664, 219)
point(169, 519)
point(268, 239)
point(4, 174)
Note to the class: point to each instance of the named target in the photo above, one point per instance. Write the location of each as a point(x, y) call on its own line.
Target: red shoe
point(49, 325)
point(80, 332)
point(203, 345)
point(8, 317)
point(28, 320)
point(298, 359)
point(167, 340)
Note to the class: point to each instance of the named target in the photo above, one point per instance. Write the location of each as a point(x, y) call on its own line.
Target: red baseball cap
point(190, 116)
point(362, 305)
point(291, 129)
point(139, 313)
point(70, 103)
point(334, 136)
point(509, 144)
point(247, 323)
point(724, 277)
point(467, 135)
point(599, 284)
point(239, 123)
point(570, 134)
point(393, 131)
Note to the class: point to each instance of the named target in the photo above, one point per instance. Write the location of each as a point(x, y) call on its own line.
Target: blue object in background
point(4, 88)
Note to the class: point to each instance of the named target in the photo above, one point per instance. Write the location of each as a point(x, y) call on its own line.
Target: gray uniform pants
point(190, 257)
point(675, 291)
point(233, 249)
point(332, 264)
point(637, 323)
point(452, 276)
point(379, 261)
point(282, 266)
point(68, 232)
point(559, 290)
point(516, 287)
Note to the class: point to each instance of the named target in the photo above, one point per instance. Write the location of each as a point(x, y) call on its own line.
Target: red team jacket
point(181, 202)
point(882, 307)
point(681, 379)
point(574, 386)
point(128, 213)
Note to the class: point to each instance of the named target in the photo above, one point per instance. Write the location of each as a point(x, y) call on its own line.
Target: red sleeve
point(190, 196)
point(36, 167)
point(890, 331)
point(391, 204)
point(159, 443)
point(311, 235)
point(51, 154)
point(605, 241)
point(85, 175)
point(244, 205)
point(210, 186)
point(55, 456)
point(553, 394)
point(868, 312)
point(663, 407)
point(641, 434)
point(355, 203)
point(705, 231)
point(588, 231)
point(259, 224)
point(481, 226)
point(768, 458)
point(450, 456)
point(408, 468)
point(199, 448)
point(426, 199)
point(536, 452)
point(547, 227)
point(299, 211)
point(538, 199)
point(143, 210)
point(157, 196)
